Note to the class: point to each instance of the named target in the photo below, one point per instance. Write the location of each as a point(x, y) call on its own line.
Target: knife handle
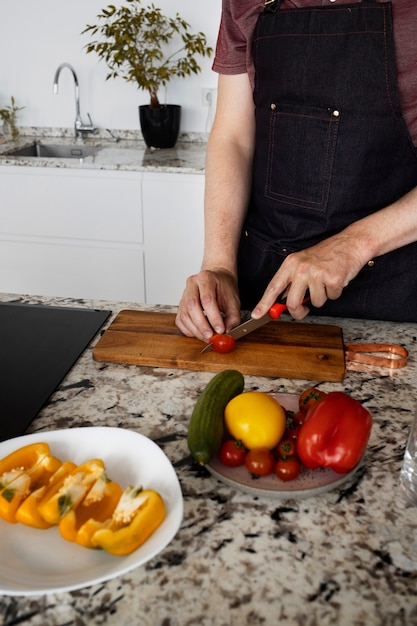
point(277, 308)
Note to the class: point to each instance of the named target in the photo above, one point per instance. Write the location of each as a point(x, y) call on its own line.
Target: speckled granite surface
point(348, 557)
point(128, 153)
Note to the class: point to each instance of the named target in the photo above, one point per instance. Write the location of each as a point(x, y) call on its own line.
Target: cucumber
point(206, 427)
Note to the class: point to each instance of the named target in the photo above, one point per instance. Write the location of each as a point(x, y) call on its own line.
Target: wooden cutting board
point(278, 349)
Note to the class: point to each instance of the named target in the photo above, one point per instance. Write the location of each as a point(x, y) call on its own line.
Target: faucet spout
point(80, 127)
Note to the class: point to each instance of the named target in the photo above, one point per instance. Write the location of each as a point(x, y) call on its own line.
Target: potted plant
point(9, 116)
point(144, 46)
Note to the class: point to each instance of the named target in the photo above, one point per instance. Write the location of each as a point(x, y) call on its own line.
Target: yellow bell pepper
point(15, 487)
point(137, 515)
point(28, 513)
point(24, 458)
point(22, 472)
point(80, 524)
point(68, 494)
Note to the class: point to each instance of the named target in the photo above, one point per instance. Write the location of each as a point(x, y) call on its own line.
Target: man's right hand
point(210, 304)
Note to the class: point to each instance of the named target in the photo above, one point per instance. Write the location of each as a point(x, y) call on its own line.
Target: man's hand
point(323, 270)
point(210, 303)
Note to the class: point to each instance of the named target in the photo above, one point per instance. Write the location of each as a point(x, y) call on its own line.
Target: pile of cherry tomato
point(282, 459)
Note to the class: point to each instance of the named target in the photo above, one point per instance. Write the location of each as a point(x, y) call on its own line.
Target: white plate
point(308, 483)
point(35, 562)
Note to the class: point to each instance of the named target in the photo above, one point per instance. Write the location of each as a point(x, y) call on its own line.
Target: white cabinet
point(99, 234)
point(173, 232)
point(72, 233)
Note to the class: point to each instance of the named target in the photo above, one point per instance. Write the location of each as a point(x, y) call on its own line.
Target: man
point(311, 173)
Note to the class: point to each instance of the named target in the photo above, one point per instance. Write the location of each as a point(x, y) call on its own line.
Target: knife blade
point(250, 325)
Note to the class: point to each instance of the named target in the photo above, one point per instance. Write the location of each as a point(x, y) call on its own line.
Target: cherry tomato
point(286, 448)
point(292, 431)
point(309, 397)
point(260, 461)
point(293, 424)
point(300, 417)
point(232, 453)
point(287, 469)
point(222, 343)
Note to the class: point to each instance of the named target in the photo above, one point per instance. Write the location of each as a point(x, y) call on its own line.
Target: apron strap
point(272, 5)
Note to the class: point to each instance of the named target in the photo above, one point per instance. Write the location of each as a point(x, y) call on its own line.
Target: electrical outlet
point(207, 95)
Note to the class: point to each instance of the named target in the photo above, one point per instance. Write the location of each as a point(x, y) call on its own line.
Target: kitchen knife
point(247, 327)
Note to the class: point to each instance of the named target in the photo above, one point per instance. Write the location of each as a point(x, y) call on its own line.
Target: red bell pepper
point(335, 433)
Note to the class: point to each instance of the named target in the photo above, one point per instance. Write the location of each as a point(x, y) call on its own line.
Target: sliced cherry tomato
point(232, 453)
point(286, 448)
point(260, 462)
point(309, 397)
point(222, 343)
point(287, 469)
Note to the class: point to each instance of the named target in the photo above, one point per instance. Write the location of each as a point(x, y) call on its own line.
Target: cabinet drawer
point(74, 271)
point(90, 205)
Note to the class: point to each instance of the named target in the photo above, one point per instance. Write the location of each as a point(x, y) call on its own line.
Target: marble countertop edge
point(117, 150)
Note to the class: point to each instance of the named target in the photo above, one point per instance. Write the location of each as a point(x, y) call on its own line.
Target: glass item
point(408, 476)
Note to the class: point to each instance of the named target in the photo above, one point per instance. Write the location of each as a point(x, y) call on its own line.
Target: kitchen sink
point(55, 151)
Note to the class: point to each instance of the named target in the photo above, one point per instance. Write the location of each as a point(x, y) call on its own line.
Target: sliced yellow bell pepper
point(28, 513)
point(80, 524)
point(21, 472)
point(24, 458)
point(38, 490)
point(68, 494)
point(15, 487)
point(137, 515)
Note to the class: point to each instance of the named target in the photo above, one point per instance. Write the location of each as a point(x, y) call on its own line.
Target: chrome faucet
point(80, 128)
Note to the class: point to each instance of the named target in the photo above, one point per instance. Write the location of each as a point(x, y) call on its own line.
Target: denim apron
point(331, 147)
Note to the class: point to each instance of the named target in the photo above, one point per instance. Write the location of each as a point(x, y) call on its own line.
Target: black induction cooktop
point(38, 346)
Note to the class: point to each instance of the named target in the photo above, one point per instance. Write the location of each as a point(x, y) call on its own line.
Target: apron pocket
point(301, 148)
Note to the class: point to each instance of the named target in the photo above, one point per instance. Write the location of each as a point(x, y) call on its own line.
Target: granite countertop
point(118, 150)
point(347, 557)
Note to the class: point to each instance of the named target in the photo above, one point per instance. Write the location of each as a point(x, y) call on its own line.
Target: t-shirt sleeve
point(231, 48)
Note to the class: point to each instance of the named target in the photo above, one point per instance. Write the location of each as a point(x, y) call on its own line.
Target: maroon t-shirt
point(234, 44)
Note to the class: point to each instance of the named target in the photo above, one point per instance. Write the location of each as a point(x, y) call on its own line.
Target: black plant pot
point(160, 127)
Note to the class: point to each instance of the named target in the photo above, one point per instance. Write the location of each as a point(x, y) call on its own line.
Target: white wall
point(37, 35)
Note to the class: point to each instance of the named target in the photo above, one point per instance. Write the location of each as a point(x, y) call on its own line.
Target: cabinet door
point(72, 271)
point(173, 233)
point(72, 233)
